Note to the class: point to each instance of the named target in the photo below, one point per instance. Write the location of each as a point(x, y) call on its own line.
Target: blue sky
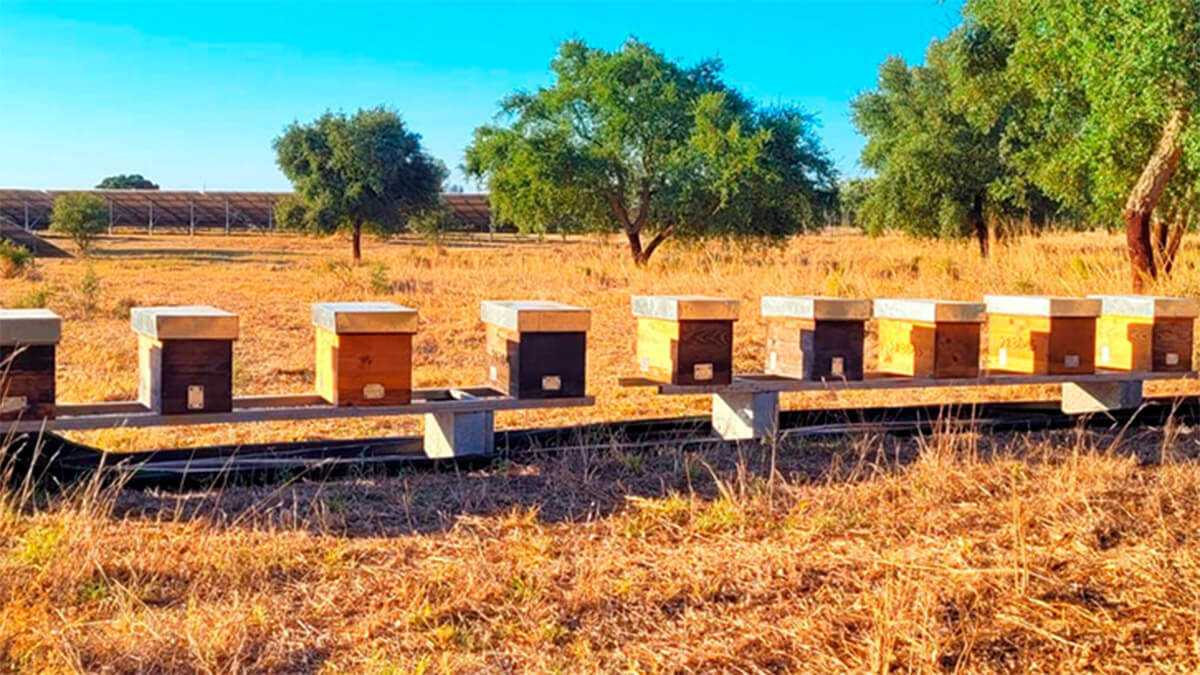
point(192, 93)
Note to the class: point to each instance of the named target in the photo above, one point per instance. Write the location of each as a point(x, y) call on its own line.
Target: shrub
point(14, 259)
point(81, 216)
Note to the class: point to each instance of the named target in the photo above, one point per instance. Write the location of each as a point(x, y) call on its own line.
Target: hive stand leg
point(459, 435)
point(1092, 397)
point(745, 416)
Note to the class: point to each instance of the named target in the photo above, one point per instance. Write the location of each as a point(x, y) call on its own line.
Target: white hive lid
point(364, 317)
point(29, 327)
point(536, 316)
point(1042, 305)
point(816, 307)
point(1148, 306)
point(685, 308)
point(920, 309)
point(185, 322)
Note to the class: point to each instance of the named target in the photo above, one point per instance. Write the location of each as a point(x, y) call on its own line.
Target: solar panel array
point(176, 209)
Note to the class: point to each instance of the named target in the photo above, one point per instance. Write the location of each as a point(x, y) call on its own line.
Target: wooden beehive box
point(185, 358)
point(1041, 335)
point(928, 338)
point(1145, 333)
point(814, 338)
point(686, 339)
point(364, 352)
point(28, 339)
point(536, 348)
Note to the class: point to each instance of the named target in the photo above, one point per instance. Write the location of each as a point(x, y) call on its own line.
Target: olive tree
point(365, 170)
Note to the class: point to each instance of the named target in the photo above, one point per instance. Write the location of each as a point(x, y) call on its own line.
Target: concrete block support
point(1080, 398)
point(746, 416)
point(459, 435)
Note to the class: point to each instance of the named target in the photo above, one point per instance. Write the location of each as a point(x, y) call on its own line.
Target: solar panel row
point(186, 209)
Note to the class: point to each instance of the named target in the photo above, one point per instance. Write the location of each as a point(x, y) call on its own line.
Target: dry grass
point(271, 280)
point(1058, 552)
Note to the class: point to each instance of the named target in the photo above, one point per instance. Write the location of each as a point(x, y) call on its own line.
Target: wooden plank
point(247, 412)
point(875, 381)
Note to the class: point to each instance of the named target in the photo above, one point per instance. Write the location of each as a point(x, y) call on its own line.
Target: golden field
point(957, 552)
point(270, 281)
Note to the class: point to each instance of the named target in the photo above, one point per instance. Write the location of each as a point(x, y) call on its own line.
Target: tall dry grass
point(954, 552)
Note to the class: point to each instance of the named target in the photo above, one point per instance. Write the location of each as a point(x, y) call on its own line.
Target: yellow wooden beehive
point(928, 338)
point(1041, 335)
point(1145, 333)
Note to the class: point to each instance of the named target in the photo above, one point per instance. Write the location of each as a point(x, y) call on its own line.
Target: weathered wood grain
point(364, 369)
point(27, 382)
point(169, 368)
point(815, 349)
point(685, 352)
point(537, 364)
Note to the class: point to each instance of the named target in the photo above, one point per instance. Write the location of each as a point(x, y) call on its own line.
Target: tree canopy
point(1115, 85)
point(629, 141)
point(353, 172)
point(938, 150)
point(82, 216)
point(131, 181)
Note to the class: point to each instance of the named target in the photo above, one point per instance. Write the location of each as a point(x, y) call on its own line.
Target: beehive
point(185, 358)
point(536, 348)
point(364, 352)
point(1041, 335)
point(813, 338)
point(686, 339)
point(928, 338)
point(28, 340)
point(1145, 333)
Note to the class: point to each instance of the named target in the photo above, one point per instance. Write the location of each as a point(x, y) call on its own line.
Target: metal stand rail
point(458, 421)
point(748, 407)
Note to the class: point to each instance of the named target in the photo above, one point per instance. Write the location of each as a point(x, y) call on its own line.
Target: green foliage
point(432, 223)
point(82, 216)
point(34, 299)
point(939, 159)
point(354, 172)
point(15, 259)
point(627, 141)
point(132, 181)
point(1103, 77)
point(85, 295)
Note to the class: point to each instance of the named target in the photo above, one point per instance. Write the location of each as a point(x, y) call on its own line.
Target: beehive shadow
point(587, 482)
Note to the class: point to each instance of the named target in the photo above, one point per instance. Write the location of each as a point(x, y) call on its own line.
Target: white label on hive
point(1002, 357)
point(644, 364)
point(492, 372)
point(373, 392)
point(837, 367)
point(1071, 361)
point(13, 403)
point(551, 383)
point(1172, 359)
point(702, 371)
point(1105, 354)
point(195, 399)
point(773, 361)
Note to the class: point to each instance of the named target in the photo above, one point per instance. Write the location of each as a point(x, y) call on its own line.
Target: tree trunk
point(1139, 208)
point(980, 225)
point(635, 246)
point(356, 242)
